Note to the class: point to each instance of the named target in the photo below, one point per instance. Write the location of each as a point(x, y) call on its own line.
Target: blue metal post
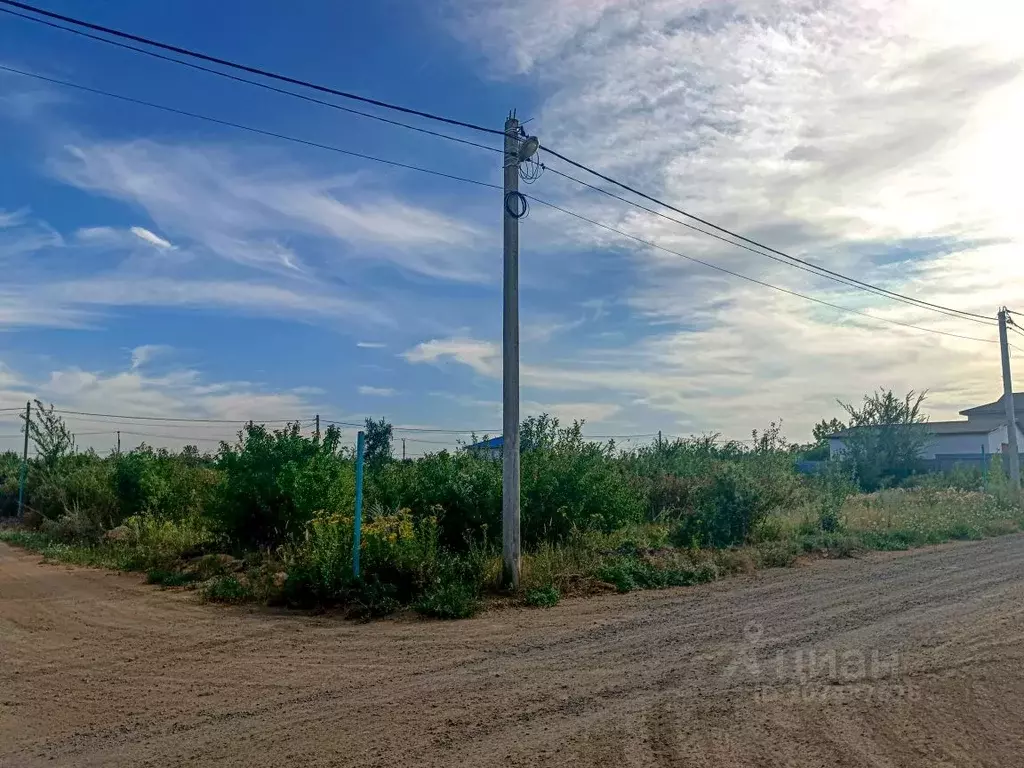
point(357, 526)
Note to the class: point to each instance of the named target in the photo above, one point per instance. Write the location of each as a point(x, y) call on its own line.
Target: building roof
point(494, 442)
point(975, 427)
point(996, 409)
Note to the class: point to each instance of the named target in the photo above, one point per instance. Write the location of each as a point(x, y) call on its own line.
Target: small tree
point(823, 430)
point(51, 436)
point(819, 450)
point(379, 435)
point(887, 436)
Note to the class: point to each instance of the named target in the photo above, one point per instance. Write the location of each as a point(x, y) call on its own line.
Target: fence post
point(357, 525)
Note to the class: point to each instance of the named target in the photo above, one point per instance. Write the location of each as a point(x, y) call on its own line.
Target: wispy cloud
point(248, 297)
point(482, 356)
point(377, 391)
point(214, 198)
point(370, 345)
point(176, 393)
point(153, 239)
point(146, 352)
point(839, 133)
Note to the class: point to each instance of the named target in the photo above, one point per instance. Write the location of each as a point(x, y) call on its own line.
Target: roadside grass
point(635, 557)
point(900, 519)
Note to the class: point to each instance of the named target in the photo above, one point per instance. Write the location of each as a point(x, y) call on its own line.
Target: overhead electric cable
point(790, 261)
point(250, 129)
point(794, 259)
point(752, 279)
point(475, 182)
point(174, 418)
point(244, 67)
point(256, 83)
point(387, 105)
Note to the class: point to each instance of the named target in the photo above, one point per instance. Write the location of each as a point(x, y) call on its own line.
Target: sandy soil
point(98, 669)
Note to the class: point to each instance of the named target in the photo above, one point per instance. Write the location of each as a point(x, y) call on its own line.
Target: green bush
point(400, 561)
point(776, 554)
point(450, 600)
point(461, 490)
point(545, 597)
point(729, 508)
point(172, 486)
point(273, 482)
point(630, 572)
point(570, 484)
point(225, 589)
point(169, 578)
point(10, 473)
point(78, 485)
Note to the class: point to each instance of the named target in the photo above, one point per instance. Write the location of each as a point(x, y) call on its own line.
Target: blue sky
point(158, 265)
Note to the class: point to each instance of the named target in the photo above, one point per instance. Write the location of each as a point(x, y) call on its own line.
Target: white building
point(975, 439)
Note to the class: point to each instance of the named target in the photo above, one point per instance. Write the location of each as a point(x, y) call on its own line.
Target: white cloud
point(12, 218)
point(181, 393)
point(370, 345)
point(22, 236)
point(203, 196)
point(146, 352)
point(484, 357)
point(248, 297)
point(876, 139)
point(377, 391)
point(153, 239)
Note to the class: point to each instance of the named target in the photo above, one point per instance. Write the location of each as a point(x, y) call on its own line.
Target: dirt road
point(907, 659)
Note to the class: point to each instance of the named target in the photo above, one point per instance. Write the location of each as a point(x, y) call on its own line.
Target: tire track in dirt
point(99, 669)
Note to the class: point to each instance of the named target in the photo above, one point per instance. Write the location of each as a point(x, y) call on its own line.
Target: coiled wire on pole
point(516, 205)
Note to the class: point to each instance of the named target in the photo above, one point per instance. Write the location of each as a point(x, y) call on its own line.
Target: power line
point(796, 264)
point(118, 421)
point(178, 437)
point(356, 425)
point(752, 279)
point(179, 419)
point(476, 182)
point(891, 294)
point(256, 83)
point(245, 68)
point(247, 128)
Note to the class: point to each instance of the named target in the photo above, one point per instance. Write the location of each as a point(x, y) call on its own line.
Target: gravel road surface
point(888, 660)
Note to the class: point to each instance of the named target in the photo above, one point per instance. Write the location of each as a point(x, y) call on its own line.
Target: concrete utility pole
point(1011, 416)
point(510, 360)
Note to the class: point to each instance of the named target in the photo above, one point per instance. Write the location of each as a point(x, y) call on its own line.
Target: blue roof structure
point(494, 442)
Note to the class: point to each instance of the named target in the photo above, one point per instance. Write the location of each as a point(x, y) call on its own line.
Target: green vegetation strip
point(269, 518)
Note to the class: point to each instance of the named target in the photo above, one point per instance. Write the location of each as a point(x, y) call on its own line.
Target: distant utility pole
point(119, 442)
point(24, 463)
point(518, 147)
point(403, 449)
point(318, 426)
point(1011, 416)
